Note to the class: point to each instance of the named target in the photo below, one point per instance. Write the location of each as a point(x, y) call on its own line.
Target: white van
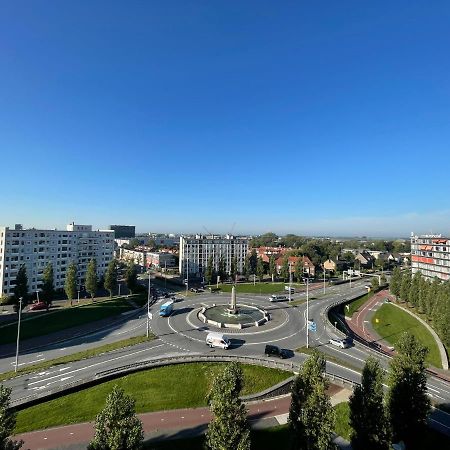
point(217, 340)
point(277, 298)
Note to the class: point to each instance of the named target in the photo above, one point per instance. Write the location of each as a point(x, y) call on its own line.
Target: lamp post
point(187, 274)
point(148, 302)
point(324, 279)
point(119, 289)
point(335, 324)
point(290, 281)
point(18, 334)
point(307, 313)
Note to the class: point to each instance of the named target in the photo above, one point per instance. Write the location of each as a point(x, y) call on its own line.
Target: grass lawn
point(65, 318)
point(392, 322)
point(342, 428)
point(169, 387)
point(258, 288)
point(356, 304)
point(76, 356)
point(341, 362)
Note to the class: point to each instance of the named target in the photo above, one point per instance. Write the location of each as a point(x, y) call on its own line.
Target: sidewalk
point(170, 424)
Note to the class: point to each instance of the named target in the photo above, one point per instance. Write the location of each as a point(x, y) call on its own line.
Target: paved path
point(168, 424)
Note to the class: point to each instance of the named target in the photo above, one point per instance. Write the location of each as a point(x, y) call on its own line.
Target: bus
point(166, 309)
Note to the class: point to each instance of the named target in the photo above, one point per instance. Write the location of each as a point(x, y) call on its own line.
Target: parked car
point(38, 306)
point(273, 350)
point(277, 298)
point(342, 343)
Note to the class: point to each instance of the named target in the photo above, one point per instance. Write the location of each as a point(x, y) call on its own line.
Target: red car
point(38, 306)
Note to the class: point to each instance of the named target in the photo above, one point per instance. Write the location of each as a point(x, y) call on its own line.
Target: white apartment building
point(430, 254)
point(36, 248)
point(141, 256)
point(196, 251)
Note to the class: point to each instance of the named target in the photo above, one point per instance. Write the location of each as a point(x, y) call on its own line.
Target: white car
point(342, 343)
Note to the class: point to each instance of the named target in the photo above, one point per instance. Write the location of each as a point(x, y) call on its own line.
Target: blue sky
point(306, 117)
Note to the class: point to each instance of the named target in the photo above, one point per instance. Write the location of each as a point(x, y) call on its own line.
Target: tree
point(233, 269)
point(405, 286)
point(298, 269)
point(375, 283)
point(111, 277)
point(91, 282)
point(48, 287)
point(408, 403)
point(253, 262)
point(247, 268)
point(21, 287)
point(221, 268)
point(7, 421)
point(284, 272)
point(229, 429)
point(117, 427)
point(311, 417)
point(70, 283)
point(414, 290)
point(209, 273)
point(260, 269)
point(396, 281)
point(383, 280)
point(131, 277)
point(368, 414)
point(272, 267)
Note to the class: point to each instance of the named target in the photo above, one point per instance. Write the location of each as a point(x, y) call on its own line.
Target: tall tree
point(221, 268)
point(311, 417)
point(209, 271)
point(414, 290)
point(247, 267)
point(91, 282)
point(229, 429)
point(368, 414)
point(131, 277)
point(383, 280)
point(117, 427)
point(111, 277)
point(233, 268)
point(70, 283)
point(260, 269)
point(396, 281)
point(375, 284)
point(21, 287)
point(272, 267)
point(48, 287)
point(408, 403)
point(298, 269)
point(253, 262)
point(405, 286)
point(284, 272)
point(7, 421)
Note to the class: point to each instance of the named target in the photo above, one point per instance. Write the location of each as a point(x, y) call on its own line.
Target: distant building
point(145, 257)
point(308, 267)
point(430, 254)
point(196, 251)
point(123, 231)
point(329, 265)
point(265, 253)
point(35, 248)
point(365, 259)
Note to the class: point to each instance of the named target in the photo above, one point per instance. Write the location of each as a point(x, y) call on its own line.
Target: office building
point(36, 248)
point(123, 231)
point(196, 251)
point(430, 254)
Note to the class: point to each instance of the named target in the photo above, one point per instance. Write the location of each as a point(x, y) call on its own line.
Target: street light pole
point(324, 280)
point(187, 274)
point(307, 313)
point(290, 281)
point(148, 303)
point(18, 334)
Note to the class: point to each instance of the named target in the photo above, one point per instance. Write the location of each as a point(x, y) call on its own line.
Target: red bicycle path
point(158, 425)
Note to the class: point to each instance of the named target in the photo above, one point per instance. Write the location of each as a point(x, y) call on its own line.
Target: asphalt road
point(182, 333)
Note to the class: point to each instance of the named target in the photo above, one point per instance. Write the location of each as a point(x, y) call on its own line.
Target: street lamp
point(148, 302)
point(290, 281)
point(18, 334)
point(307, 312)
point(335, 324)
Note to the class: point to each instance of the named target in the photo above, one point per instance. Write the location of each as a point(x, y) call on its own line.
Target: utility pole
point(18, 335)
point(148, 302)
point(323, 279)
point(290, 281)
point(187, 274)
point(307, 313)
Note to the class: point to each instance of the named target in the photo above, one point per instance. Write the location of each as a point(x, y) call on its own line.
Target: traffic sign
point(312, 326)
point(150, 315)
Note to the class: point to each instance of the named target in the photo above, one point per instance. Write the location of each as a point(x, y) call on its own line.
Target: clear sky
point(309, 117)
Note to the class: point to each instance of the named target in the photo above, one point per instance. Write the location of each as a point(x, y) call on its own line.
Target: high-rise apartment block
point(196, 251)
point(430, 254)
point(36, 248)
point(123, 231)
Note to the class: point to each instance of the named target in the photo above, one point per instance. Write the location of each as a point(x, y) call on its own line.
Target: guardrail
point(103, 376)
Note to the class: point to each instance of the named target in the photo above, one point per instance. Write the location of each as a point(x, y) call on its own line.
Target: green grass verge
point(341, 362)
point(65, 318)
point(342, 427)
point(393, 321)
point(355, 305)
point(169, 387)
point(258, 288)
point(76, 356)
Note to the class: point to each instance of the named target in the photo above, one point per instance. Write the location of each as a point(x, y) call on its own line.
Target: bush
point(6, 300)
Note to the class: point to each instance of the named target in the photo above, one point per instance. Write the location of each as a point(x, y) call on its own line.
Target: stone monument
point(233, 309)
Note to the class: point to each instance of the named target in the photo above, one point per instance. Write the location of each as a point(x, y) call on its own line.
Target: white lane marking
point(98, 364)
point(28, 362)
point(440, 423)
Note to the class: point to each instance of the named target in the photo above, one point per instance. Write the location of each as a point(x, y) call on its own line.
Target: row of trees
point(431, 298)
point(72, 283)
